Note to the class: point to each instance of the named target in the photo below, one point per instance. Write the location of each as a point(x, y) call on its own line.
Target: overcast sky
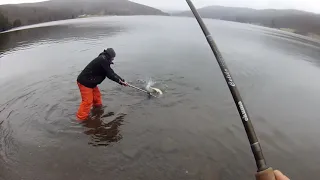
point(306, 5)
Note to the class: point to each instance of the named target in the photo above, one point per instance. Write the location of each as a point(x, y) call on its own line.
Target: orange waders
point(90, 96)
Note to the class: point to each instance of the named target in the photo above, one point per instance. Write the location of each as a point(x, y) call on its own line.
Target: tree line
point(5, 24)
point(53, 10)
point(300, 22)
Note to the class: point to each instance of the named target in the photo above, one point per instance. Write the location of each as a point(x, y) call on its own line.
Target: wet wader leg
point(86, 103)
point(97, 101)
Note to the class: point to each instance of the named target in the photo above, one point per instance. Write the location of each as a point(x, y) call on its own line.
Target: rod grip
point(267, 174)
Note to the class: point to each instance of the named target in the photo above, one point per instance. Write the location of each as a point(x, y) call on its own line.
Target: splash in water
point(149, 85)
point(151, 89)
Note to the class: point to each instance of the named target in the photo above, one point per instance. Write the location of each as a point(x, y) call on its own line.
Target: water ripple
point(104, 134)
point(189, 133)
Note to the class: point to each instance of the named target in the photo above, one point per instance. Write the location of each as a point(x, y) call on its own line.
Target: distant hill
point(298, 21)
point(170, 11)
point(33, 13)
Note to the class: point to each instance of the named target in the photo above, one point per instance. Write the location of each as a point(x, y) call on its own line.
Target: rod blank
point(254, 143)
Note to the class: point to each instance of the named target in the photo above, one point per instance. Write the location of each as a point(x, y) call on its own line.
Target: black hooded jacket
point(97, 70)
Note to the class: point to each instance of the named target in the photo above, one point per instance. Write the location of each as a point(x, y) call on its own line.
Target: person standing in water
point(89, 79)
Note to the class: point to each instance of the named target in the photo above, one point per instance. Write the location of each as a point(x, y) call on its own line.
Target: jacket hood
point(109, 53)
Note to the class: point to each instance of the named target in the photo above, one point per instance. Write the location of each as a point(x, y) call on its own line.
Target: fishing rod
point(264, 172)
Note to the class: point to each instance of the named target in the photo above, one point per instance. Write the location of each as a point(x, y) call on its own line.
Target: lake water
point(192, 132)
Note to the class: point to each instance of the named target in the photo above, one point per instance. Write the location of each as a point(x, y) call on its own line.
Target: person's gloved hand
point(123, 83)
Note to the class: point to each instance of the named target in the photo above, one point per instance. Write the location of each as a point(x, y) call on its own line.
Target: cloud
point(306, 5)
point(18, 1)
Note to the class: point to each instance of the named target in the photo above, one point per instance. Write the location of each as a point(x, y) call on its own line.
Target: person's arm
point(117, 76)
point(112, 75)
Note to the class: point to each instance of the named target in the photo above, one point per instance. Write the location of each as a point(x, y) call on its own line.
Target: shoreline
point(84, 16)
